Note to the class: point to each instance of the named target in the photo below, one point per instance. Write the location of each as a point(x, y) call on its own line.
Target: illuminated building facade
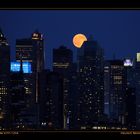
point(91, 86)
point(115, 87)
point(51, 100)
point(62, 61)
point(138, 57)
point(15, 67)
point(4, 80)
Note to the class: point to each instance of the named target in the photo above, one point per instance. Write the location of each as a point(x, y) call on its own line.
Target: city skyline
point(98, 90)
point(40, 97)
point(116, 30)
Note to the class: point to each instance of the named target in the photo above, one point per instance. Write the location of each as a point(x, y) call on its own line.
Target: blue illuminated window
point(27, 67)
point(15, 67)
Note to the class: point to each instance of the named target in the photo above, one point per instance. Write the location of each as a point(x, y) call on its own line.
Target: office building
point(130, 96)
point(91, 85)
point(51, 100)
point(115, 90)
point(62, 63)
point(32, 51)
point(17, 99)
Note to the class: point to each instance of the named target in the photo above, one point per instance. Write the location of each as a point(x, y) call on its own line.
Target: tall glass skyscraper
point(31, 50)
point(91, 86)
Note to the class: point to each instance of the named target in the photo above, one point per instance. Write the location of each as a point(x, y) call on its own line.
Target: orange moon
point(78, 40)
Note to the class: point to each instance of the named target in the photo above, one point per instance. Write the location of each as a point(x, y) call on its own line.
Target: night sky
point(117, 31)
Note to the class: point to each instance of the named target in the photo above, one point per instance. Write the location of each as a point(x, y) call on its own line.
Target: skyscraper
point(4, 80)
point(17, 100)
point(62, 63)
point(62, 59)
point(137, 85)
point(130, 109)
point(22, 112)
point(51, 100)
point(32, 50)
point(91, 88)
point(130, 95)
point(73, 97)
point(115, 84)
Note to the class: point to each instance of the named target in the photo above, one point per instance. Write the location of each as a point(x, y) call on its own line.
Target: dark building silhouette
point(62, 64)
point(91, 88)
point(137, 86)
point(51, 100)
point(32, 50)
point(21, 107)
point(115, 85)
point(130, 96)
point(17, 100)
point(62, 59)
point(24, 48)
point(73, 98)
point(4, 81)
point(130, 108)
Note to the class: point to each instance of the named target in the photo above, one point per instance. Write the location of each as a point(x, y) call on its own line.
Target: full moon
point(78, 40)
